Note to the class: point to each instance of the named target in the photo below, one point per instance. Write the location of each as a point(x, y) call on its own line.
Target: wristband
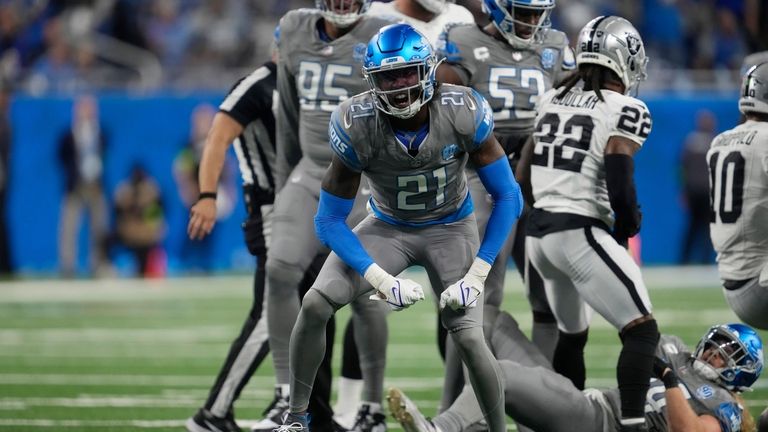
point(670, 380)
point(205, 195)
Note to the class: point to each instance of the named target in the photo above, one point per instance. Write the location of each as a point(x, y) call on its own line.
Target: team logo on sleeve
point(548, 57)
point(449, 151)
point(358, 52)
point(705, 392)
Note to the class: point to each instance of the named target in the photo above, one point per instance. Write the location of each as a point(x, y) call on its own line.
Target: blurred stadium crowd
point(49, 46)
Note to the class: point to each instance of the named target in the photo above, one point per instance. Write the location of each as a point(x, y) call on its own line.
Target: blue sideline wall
point(152, 130)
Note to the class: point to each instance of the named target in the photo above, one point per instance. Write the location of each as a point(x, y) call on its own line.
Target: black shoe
point(204, 421)
point(274, 414)
point(367, 421)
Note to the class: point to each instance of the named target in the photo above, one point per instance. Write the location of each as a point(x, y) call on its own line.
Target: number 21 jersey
point(572, 132)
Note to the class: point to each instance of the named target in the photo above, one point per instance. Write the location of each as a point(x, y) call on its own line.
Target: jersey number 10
point(726, 186)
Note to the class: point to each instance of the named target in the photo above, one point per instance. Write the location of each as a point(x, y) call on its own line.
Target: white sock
point(285, 389)
point(373, 407)
point(349, 394)
point(632, 421)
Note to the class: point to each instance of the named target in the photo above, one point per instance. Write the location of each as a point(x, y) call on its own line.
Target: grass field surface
point(137, 355)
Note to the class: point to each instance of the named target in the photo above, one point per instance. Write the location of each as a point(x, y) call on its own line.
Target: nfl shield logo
point(517, 56)
point(548, 58)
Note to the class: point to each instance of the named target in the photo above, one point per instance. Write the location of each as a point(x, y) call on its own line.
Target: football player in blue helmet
point(730, 354)
point(688, 391)
point(521, 22)
point(400, 69)
point(342, 13)
point(412, 139)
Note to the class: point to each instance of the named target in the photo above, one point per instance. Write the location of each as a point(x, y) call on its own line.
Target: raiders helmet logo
point(633, 44)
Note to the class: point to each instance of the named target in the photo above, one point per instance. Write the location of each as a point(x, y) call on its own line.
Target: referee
point(246, 118)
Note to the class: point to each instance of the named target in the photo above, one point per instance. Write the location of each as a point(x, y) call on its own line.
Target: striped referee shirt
point(252, 102)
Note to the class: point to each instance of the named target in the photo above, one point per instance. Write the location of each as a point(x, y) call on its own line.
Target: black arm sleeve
point(620, 180)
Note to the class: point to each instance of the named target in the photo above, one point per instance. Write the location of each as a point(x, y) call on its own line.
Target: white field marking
point(177, 380)
point(144, 290)
point(239, 286)
point(148, 424)
point(113, 335)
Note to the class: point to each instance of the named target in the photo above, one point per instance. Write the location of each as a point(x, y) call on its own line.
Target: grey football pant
point(293, 246)
point(445, 250)
point(534, 394)
point(544, 335)
point(750, 300)
point(585, 269)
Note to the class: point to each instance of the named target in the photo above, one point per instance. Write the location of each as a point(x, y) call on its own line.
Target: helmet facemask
point(754, 90)
point(342, 13)
point(530, 20)
point(402, 88)
point(722, 357)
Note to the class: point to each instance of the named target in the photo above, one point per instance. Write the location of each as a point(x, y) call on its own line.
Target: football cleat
point(274, 414)
point(293, 423)
point(407, 413)
point(204, 421)
point(367, 421)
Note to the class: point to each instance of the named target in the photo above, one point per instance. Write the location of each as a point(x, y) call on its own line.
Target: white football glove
point(464, 293)
point(398, 293)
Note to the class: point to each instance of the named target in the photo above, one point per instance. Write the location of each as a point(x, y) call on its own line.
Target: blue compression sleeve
point(332, 230)
point(507, 206)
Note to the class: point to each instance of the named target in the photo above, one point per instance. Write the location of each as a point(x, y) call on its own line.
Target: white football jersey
point(452, 13)
point(738, 180)
point(567, 169)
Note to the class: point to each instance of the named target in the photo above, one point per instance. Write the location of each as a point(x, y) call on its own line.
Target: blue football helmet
point(502, 15)
point(740, 347)
point(400, 66)
point(342, 13)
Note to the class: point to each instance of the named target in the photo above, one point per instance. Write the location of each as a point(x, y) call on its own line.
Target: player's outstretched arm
point(496, 175)
point(202, 215)
point(620, 181)
point(337, 196)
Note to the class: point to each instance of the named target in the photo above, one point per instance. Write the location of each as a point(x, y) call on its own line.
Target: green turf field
point(135, 355)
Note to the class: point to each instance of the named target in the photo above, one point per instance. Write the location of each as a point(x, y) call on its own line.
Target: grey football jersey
point(738, 174)
point(703, 395)
point(313, 77)
point(572, 132)
point(512, 79)
point(430, 187)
